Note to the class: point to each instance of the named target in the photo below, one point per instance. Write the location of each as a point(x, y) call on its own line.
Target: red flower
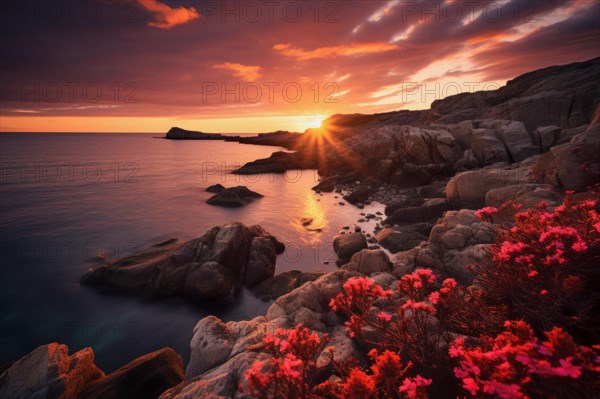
point(358, 385)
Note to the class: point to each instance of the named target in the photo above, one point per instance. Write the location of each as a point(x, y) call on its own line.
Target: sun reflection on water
point(312, 220)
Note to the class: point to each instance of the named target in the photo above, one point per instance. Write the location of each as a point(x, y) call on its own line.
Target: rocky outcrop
point(279, 162)
point(346, 245)
point(176, 133)
point(50, 373)
point(222, 352)
point(458, 240)
point(146, 377)
point(233, 197)
point(207, 268)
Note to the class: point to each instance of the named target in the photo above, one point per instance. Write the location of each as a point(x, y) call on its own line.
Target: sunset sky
point(258, 66)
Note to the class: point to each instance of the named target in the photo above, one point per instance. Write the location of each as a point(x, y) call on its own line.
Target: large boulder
point(210, 346)
point(516, 139)
point(369, 261)
point(346, 245)
point(146, 377)
point(468, 189)
point(233, 197)
point(50, 373)
point(206, 268)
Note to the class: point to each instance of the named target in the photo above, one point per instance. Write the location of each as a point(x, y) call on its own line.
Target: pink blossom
point(470, 385)
point(383, 316)
point(434, 297)
point(579, 246)
point(567, 369)
point(411, 385)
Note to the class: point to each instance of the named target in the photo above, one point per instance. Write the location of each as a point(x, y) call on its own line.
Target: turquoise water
point(67, 198)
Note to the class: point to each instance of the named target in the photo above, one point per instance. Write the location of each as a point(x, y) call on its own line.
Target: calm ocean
point(67, 198)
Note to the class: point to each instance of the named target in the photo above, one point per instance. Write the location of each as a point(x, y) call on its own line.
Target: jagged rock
point(49, 372)
point(233, 197)
point(208, 267)
point(145, 377)
point(215, 188)
point(347, 245)
point(369, 261)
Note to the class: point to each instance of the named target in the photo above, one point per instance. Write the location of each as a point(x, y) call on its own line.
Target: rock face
point(206, 268)
point(468, 189)
point(346, 245)
point(49, 372)
point(233, 197)
point(144, 378)
point(176, 133)
point(369, 261)
point(574, 165)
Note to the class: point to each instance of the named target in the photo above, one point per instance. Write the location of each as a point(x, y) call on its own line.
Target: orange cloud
point(167, 17)
point(325, 52)
point(247, 72)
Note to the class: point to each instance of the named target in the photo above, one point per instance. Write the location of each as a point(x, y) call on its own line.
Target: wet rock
point(215, 188)
point(347, 245)
point(233, 197)
point(403, 238)
point(208, 267)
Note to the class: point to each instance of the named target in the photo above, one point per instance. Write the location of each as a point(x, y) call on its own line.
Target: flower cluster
point(516, 364)
point(290, 371)
point(542, 263)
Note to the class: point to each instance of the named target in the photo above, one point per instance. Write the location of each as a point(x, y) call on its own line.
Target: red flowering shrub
point(546, 264)
point(291, 371)
point(516, 364)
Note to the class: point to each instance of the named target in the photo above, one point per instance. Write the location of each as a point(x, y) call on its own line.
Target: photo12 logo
point(272, 12)
point(271, 92)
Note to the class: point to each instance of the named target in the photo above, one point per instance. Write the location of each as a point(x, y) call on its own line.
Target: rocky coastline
point(525, 142)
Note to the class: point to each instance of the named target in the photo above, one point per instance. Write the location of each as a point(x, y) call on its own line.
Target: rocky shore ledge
point(528, 141)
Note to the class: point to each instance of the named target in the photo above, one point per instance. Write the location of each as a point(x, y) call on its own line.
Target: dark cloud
point(172, 51)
